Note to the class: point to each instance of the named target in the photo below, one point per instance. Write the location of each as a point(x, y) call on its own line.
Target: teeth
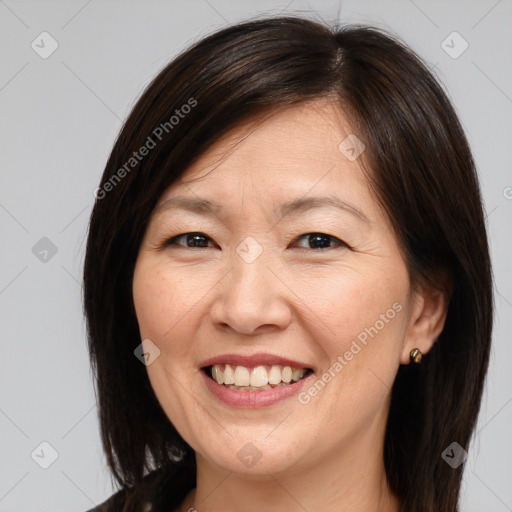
point(287, 374)
point(297, 373)
point(259, 377)
point(229, 375)
point(218, 375)
point(274, 376)
point(242, 377)
point(255, 379)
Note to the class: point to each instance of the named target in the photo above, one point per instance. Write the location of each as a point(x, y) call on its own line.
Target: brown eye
point(315, 241)
point(188, 240)
point(322, 241)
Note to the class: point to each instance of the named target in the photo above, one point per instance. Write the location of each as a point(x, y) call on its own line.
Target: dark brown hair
point(422, 171)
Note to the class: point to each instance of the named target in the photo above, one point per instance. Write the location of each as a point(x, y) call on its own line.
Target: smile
point(259, 378)
point(254, 381)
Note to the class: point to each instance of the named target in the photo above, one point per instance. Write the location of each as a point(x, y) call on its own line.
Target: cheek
point(363, 344)
point(358, 302)
point(160, 306)
point(161, 314)
point(165, 298)
point(150, 299)
point(361, 349)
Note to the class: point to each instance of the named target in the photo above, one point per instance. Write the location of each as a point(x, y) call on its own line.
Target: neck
point(350, 478)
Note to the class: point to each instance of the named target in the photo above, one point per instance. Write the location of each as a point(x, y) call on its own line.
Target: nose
point(251, 298)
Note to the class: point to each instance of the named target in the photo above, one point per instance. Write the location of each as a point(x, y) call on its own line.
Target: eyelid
point(166, 241)
point(169, 241)
point(340, 243)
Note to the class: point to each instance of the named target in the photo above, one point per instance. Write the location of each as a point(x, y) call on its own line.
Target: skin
point(293, 300)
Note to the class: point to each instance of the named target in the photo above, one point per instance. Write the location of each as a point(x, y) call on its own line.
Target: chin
point(254, 456)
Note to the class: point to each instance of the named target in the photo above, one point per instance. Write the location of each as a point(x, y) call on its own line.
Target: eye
point(321, 240)
point(191, 240)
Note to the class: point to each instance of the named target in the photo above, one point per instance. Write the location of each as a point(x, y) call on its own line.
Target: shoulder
point(115, 501)
point(139, 499)
point(158, 489)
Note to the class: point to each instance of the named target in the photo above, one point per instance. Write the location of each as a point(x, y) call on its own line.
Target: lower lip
point(252, 399)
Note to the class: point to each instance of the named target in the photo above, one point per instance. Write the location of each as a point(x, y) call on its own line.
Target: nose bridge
point(250, 295)
point(249, 287)
point(249, 271)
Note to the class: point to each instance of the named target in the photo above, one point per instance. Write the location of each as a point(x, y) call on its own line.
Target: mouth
point(255, 378)
point(254, 381)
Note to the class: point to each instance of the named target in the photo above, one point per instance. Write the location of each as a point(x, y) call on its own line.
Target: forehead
point(298, 133)
point(291, 153)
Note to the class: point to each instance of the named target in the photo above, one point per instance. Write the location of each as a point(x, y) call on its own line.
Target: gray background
point(59, 118)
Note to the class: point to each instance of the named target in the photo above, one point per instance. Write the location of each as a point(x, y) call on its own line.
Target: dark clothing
point(159, 491)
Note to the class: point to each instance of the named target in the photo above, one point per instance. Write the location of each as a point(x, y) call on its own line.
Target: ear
point(427, 318)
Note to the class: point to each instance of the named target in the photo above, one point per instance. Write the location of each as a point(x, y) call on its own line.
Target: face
point(295, 265)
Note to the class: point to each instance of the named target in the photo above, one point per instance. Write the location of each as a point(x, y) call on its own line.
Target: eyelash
point(172, 241)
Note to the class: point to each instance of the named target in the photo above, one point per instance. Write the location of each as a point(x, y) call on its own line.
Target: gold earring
point(416, 356)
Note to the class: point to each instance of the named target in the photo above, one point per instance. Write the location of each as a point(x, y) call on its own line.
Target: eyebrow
point(295, 207)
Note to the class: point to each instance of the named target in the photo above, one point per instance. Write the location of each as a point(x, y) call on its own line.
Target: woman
point(287, 280)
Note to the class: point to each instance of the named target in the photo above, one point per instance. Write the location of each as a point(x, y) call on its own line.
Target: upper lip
point(252, 361)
